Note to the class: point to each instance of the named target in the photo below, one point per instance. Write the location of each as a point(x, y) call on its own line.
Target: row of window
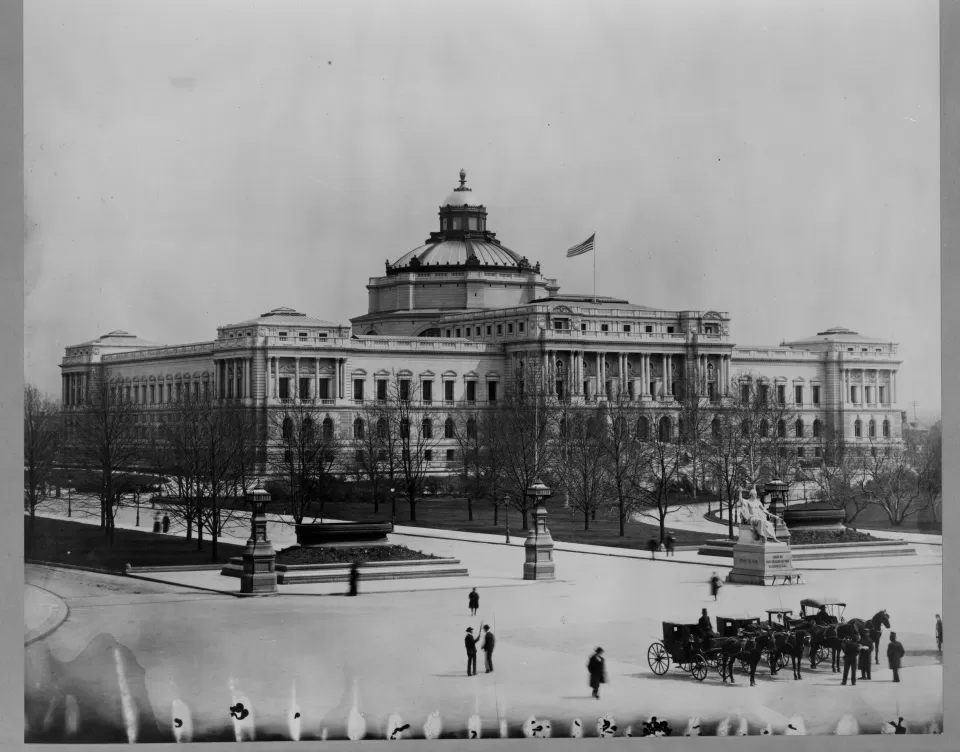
point(869, 393)
point(798, 394)
point(404, 387)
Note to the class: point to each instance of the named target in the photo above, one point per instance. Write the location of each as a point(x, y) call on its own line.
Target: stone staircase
point(812, 552)
point(290, 574)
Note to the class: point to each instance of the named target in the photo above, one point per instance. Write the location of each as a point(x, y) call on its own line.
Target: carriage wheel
point(718, 664)
point(780, 660)
point(744, 665)
point(699, 669)
point(822, 655)
point(658, 658)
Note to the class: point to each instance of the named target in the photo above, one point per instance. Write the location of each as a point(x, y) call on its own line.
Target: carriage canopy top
point(779, 610)
point(738, 617)
point(817, 602)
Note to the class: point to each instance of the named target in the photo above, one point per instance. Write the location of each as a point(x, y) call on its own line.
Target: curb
point(181, 584)
point(51, 624)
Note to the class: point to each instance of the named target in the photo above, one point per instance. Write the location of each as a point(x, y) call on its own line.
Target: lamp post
point(69, 498)
point(259, 575)
point(539, 563)
point(393, 505)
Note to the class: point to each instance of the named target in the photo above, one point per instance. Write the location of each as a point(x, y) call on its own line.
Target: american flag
point(585, 247)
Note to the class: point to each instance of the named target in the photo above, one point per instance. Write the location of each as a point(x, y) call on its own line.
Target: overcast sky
point(193, 164)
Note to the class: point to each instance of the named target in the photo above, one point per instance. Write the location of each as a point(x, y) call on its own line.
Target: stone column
point(248, 370)
point(296, 378)
point(893, 388)
point(316, 378)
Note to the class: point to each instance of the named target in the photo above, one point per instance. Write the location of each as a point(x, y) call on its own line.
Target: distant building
point(462, 315)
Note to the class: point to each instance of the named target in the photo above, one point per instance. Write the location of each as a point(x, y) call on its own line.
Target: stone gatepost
point(539, 563)
point(259, 576)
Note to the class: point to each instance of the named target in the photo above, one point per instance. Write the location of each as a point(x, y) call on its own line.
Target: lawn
point(81, 544)
point(298, 555)
point(451, 514)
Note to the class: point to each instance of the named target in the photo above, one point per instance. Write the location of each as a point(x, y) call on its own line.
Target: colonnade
point(857, 377)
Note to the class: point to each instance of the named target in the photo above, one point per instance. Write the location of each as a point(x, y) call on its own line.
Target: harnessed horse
point(872, 627)
point(747, 649)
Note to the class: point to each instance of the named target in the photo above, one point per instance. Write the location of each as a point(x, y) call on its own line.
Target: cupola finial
point(463, 177)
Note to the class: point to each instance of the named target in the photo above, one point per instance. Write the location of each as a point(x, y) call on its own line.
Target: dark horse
point(872, 627)
point(747, 649)
point(793, 646)
point(826, 635)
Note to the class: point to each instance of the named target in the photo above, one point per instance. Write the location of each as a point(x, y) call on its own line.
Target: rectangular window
point(302, 335)
point(499, 328)
point(427, 391)
point(322, 335)
point(781, 394)
point(745, 393)
point(448, 391)
point(381, 389)
point(471, 391)
point(489, 330)
point(520, 327)
point(798, 395)
point(669, 330)
point(648, 329)
point(324, 391)
point(626, 328)
point(509, 328)
point(358, 389)
point(816, 395)
point(491, 391)
point(559, 386)
point(558, 325)
point(450, 455)
point(817, 452)
point(458, 332)
point(604, 327)
point(405, 390)
point(583, 327)
point(428, 455)
point(284, 389)
point(869, 394)
point(152, 393)
point(283, 335)
point(712, 391)
point(801, 452)
point(883, 394)
point(448, 332)
point(764, 393)
point(305, 388)
point(853, 394)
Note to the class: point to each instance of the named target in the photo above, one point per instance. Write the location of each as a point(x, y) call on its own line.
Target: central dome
point(457, 252)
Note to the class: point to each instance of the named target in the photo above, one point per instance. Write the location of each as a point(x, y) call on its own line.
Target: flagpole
point(594, 267)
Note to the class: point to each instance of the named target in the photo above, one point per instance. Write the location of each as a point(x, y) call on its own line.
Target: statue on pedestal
point(756, 517)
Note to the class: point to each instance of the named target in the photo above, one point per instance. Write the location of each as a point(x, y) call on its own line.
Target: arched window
point(816, 428)
point(472, 428)
point(358, 428)
point(327, 428)
point(382, 429)
point(886, 429)
point(643, 429)
point(782, 429)
point(745, 427)
point(404, 428)
point(715, 427)
point(426, 428)
point(681, 428)
point(872, 427)
point(798, 428)
point(664, 429)
point(857, 428)
point(764, 428)
point(308, 429)
point(448, 428)
point(287, 429)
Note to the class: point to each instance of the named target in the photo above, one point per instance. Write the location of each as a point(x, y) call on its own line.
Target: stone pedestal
point(762, 562)
point(259, 575)
point(539, 544)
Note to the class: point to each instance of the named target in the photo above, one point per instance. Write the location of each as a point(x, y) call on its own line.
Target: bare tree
point(470, 434)
point(664, 471)
point(889, 478)
point(525, 436)
point(837, 478)
point(723, 455)
point(42, 437)
point(583, 471)
point(626, 457)
point(694, 419)
point(373, 448)
point(104, 443)
point(304, 451)
point(412, 436)
point(928, 461)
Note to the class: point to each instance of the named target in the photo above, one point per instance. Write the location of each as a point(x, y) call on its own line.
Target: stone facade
point(479, 319)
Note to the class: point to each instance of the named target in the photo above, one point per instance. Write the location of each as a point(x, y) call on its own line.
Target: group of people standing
point(470, 641)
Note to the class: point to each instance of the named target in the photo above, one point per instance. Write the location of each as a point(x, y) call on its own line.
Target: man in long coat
point(851, 651)
point(865, 661)
point(597, 668)
point(473, 601)
point(470, 642)
point(489, 641)
point(895, 653)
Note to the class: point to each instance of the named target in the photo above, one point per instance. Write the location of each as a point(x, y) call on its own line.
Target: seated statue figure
point(753, 514)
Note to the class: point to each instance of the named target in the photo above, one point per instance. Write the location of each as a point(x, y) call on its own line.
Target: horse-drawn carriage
point(810, 609)
point(731, 626)
point(681, 644)
point(778, 619)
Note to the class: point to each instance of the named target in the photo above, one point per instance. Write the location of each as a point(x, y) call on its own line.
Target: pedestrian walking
point(652, 545)
point(597, 668)
point(165, 524)
point(489, 641)
point(939, 633)
point(474, 601)
point(671, 542)
point(715, 585)
point(851, 651)
point(470, 642)
point(354, 577)
point(894, 655)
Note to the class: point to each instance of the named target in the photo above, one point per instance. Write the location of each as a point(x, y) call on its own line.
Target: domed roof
point(462, 196)
point(456, 252)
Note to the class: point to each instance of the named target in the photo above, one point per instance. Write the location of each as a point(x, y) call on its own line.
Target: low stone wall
point(810, 552)
point(288, 574)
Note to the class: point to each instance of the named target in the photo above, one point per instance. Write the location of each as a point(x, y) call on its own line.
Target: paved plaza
point(398, 648)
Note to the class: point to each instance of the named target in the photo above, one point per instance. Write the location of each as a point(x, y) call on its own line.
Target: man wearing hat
point(895, 652)
point(470, 642)
point(597, 668)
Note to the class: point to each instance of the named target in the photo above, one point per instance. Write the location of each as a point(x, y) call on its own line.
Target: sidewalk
point(43, 612)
